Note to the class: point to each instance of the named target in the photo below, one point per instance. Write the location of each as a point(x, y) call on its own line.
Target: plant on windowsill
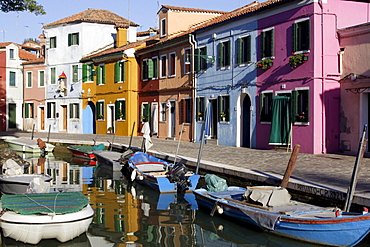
point(223, 116)
point(110, 130)
point(100, 117)
point(297, 59)
point(200, 116)
point(300, 117)
point(265, 63)
point(120, 114)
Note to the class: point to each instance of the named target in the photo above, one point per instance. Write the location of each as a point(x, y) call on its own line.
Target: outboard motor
point(176, 174)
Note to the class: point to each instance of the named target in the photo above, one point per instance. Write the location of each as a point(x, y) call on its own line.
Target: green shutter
point(117, 73)
point(247, 47)
point(124, 68)
point(272, 42)
point(124, 109)
point(295, 37)
point(220, 55)
point(308, 105)
point(263, 41)
point(84, 72)
point(239, 55)
point(69, 39)
point(150, 68)
point(77, 110)
point(48, 113)
point(219, 110)
point(98, 106)
point(116, 110)
point(77, 38)
point(70, 110)
point(103, 71)
point(98, 75)
point(294, 105)
point(308, 34)
point(26, 111)
point(262, 104)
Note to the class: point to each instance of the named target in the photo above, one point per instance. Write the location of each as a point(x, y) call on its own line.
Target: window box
point(265, 63)
point(297, 59)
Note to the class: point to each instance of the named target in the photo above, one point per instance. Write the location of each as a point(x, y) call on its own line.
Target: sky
point(17, 26)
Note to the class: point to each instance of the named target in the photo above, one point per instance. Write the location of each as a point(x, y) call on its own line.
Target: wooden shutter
point(197, 60)
point(98, 106)
point(69, 39)
point(262, 37)
point(182, 111)
point(123, 106)
point(150, 68)
point(103, 74)
point(116, 110)
point(239, 55)
point(117, 73)
point(48, 109)
point(220, 55)
point(124, 68)
point(307, 98)
point(247, 49)
point(98, 78)
point(26, 111)
point(262, 102)
point(294, 105)
point(84, 72)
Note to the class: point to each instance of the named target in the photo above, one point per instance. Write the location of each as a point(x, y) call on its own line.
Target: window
point(162, 115)
point(74, 110)
point(50, 110)
point(301, 105)
point(224, 107)
point(163, 66)
point(28, 110)
point(88, 72)
point(73, 39)
point(11, 53)
point(145, 112)
point(12, 79)
point(53, 42)
point(200, 108)
point(29, 79)
point(266, 106)
point(224, 54)
point(172, 65)
point(301, 35)
point(53, 76)
point(100, 110)
point(155, 67)
point(41, 78)
point(267, 43)
point(74, 73)
point(120, 108)
point(120, 72)
point(147, 69)
point(163, 28)
point(187, 61)
point(100, 77)
point(243, 55)
point(201, 59)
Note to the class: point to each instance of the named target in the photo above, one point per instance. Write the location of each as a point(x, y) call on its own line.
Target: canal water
point(127, 214)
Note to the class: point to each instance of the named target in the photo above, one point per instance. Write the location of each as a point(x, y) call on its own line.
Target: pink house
point(299, 62)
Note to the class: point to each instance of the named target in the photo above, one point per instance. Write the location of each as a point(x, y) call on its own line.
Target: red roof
point(184, 9)
point(93, 15)
point(26, 55)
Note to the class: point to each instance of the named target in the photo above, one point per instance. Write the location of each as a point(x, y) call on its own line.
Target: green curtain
point(281, 121)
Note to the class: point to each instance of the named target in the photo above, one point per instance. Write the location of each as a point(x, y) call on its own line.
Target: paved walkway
point(326, 175)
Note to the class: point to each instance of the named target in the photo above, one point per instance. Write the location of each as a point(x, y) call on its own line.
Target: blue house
point(225, 94)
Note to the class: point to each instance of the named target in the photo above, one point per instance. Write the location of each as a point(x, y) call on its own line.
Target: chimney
point(122, 36)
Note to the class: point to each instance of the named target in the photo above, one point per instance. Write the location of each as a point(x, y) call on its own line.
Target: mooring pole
point(49, 133)
point(356, 169)
point(132, 133)
point(290, 167)
point(200, 152)
point(33, 131)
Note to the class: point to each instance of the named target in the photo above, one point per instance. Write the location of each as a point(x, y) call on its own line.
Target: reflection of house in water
point(116, 212)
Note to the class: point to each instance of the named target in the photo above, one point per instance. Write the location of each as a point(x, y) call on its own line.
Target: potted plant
point(300, 117)
point(199, 114)
point(223, 116)
point(265, 63)
point(110, 130)
point(100, 117)
point(296, 59)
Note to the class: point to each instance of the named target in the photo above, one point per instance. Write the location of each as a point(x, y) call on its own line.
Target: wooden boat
point(83, 162)
point(86, 152)
point(18, 184)
point(293, 219)
point(27, 145)
point(158, 174)
point(108, 159)
point(32, 217)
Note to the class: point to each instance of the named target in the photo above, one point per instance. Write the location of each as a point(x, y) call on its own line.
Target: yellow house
point(110, 86)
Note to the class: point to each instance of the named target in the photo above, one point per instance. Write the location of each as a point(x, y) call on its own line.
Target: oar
point(291, 163)
point(360, 155)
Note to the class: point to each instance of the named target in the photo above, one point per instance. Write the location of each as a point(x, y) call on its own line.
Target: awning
point(359, 87)
point(281, 121)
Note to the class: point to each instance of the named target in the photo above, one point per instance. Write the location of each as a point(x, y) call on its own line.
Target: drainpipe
point(323, 131)
point(192, 44)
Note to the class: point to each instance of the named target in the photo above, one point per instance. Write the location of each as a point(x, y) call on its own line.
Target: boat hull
point(33, 228)
point(108, 159)
point(18, 184)
point(331, 231)
point(27, 146)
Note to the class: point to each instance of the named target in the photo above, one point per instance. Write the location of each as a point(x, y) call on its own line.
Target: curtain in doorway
point(281, 121)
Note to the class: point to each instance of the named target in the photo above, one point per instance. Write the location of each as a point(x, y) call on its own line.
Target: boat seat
point(150, 167)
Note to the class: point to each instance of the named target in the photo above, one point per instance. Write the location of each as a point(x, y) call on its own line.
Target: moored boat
point(18, 184)
point(28, 145)
point(32, 217)
point(85, 152)
point(259, 206)
point(158, 174)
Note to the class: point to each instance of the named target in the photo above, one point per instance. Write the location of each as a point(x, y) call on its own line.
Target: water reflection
point(128, 214)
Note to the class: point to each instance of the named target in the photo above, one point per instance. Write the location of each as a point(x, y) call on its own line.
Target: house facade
point(307, 109)
point(69, 40)
point(225, 49)
point(111, 99)
point(355, 85)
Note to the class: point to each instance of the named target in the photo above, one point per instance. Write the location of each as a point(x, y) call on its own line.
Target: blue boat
point(277, 214)
point(158, 174)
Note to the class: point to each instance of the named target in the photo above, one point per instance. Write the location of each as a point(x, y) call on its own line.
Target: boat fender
point(220, 210)
point(338, 213)
point(365, 210)
point(133, 175)
point(140, 177)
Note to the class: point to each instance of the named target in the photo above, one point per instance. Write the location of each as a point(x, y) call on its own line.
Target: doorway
point(12, 120)
point(42, 118)
point(213, 115)
point(110, 118)
point(246, 122)
point(173, 119)
point(64, 117)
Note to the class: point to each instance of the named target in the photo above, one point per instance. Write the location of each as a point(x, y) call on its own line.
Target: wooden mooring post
point(291, 163)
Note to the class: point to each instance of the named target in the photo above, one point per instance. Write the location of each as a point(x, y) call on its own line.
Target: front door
point(12, 123)
point(42, 118)
point(64, 117)
point(173, 118)
point(246, 121)
point(214, 120)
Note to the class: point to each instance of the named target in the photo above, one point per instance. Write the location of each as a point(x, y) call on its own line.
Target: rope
point(55, 201)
